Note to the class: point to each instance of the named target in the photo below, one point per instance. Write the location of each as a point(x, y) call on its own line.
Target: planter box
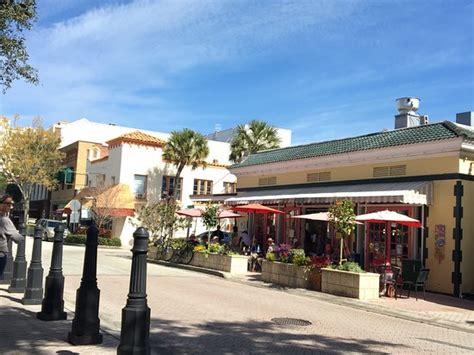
point(152, 252)
point(290, 275)
point(234, 264)
point(364, 286)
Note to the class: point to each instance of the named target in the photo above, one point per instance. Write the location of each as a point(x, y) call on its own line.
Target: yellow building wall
point(441, 165)
point(440, 261)
point(467, 242)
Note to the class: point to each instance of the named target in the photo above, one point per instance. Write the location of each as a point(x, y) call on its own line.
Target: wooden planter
point(364, 286)
point(290, 275)
point(234, 264)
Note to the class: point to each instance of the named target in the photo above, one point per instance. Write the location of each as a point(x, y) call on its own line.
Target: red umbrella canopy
point(190, 212)
point(319, 216)
point(388, 216)
point(257, 208)
point(227, 214)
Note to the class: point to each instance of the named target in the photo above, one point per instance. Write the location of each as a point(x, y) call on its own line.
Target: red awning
point(256, 208)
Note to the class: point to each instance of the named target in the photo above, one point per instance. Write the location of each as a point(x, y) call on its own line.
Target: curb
point(188, 267)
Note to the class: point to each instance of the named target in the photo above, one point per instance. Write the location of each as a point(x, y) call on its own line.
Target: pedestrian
point(245, 240)
point(7, 230)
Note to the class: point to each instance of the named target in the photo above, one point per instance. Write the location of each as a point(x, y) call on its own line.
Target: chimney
point(407, 116)
point(465, 118)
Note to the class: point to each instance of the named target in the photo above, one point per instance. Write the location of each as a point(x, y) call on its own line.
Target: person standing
point(7, 230)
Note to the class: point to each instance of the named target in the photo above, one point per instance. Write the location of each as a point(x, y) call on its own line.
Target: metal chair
point(420, 282)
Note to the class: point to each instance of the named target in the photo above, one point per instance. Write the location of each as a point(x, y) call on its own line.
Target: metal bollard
point(135, 332)
point(86, 323)
point(18, 281)
point(52, 307)
point(7, 273)
point(34, 282)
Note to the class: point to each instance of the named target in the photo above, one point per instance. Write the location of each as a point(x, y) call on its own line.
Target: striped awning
point(416, 193)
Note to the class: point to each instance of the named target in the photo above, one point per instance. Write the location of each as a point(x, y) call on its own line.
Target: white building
point(135, 159)
point(226, 135)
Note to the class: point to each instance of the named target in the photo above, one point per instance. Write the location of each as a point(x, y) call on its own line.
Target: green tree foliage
point(160, 218)
point(210, 220)
point(258, 135)
point(29, 156)
point(342, 218)
point(185, 147)
point(16, 16)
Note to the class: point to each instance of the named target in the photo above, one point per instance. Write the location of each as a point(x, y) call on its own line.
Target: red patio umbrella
point(387, 216)
point(190, 212)
point(256, 208)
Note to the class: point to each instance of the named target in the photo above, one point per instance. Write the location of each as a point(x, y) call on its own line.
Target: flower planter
point(290, 275)
point(234, 264)
point(363, 286)
point(152, 252)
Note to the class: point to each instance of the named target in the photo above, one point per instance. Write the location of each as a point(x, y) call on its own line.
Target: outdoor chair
point(390, 281)
point(419, 282)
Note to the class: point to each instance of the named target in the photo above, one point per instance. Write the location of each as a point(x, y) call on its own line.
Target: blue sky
point(325, 69)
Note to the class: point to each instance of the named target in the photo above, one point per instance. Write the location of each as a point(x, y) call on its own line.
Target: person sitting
point(218, 233)
point(245, 240)
point(235, 241)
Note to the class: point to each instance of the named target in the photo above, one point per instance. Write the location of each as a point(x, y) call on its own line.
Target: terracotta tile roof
point(137, 137)
point(420, 134)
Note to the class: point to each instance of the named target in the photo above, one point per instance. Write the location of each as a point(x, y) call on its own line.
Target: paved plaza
point(194, 312)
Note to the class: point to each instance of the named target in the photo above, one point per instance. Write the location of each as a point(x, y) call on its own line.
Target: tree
point(342, 218)
point(185, 147)
point(29, 156)
point(161, 217)
point(16, 16)
point(210, 220)
point(251, 138)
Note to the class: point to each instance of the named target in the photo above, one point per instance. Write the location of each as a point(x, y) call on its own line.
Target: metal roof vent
point(407, 116)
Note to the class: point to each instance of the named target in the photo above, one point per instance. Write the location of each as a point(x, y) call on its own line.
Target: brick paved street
point(197, 313)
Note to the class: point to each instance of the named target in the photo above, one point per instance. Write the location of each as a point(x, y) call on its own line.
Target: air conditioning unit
point(424, 120)
point(140, 196)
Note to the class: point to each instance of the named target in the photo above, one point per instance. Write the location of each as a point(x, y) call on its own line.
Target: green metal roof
point(420, 134)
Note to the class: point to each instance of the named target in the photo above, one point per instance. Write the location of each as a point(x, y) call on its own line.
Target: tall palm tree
point(185, 147)
point(258, 135)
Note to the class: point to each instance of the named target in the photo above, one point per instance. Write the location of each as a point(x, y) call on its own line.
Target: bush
point(271, 256)
point(298, 257)
point(285, 253)
point(214, 247)
point(199, 249)
point(348, 266)
point(81, 239)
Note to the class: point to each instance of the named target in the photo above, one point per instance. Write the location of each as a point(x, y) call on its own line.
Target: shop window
point(230, 187)
point(267, 181)
point(202, 187)
point(139, 186)
point(168, 184)
point(317, 177)
point(394, 170)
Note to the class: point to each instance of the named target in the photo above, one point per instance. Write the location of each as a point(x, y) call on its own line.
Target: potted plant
point(347, 278)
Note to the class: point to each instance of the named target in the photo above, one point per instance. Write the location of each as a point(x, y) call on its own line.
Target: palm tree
point(251, 138)
point(185, 147)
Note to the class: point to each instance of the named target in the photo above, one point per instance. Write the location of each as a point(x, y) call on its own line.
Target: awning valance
point(418, 193)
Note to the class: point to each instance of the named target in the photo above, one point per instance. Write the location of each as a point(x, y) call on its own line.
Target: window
point(112, 179)
point(167, 186)
point(230, 187)
point(202, 187)
point(266, 181)
point(394, 170)
point(139, 186)
point(316, 177)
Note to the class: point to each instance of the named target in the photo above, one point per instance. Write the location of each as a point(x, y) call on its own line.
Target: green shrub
point(298, 257)
point(81, 239)
point(214, 247)
point(348, 266)
point(271, 256)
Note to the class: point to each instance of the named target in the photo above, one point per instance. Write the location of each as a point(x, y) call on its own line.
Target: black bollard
point(135, 333)
point(7, 273)
point(52, 307)
point(18, 281)
point(86, 323)
point(34, 282)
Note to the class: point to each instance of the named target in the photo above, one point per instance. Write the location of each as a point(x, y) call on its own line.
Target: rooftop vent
point(407, 116)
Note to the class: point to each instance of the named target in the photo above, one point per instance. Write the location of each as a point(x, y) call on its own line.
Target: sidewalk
point(438, 310)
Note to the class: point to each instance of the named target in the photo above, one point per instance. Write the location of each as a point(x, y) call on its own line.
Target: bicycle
point(184, 253)
point(165, 249)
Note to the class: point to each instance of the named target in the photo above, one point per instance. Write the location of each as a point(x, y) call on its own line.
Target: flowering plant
point(319, 262)
point(284, 253)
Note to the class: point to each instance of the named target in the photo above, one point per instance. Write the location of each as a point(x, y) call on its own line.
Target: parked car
point(48, 226)
point(203, 237)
